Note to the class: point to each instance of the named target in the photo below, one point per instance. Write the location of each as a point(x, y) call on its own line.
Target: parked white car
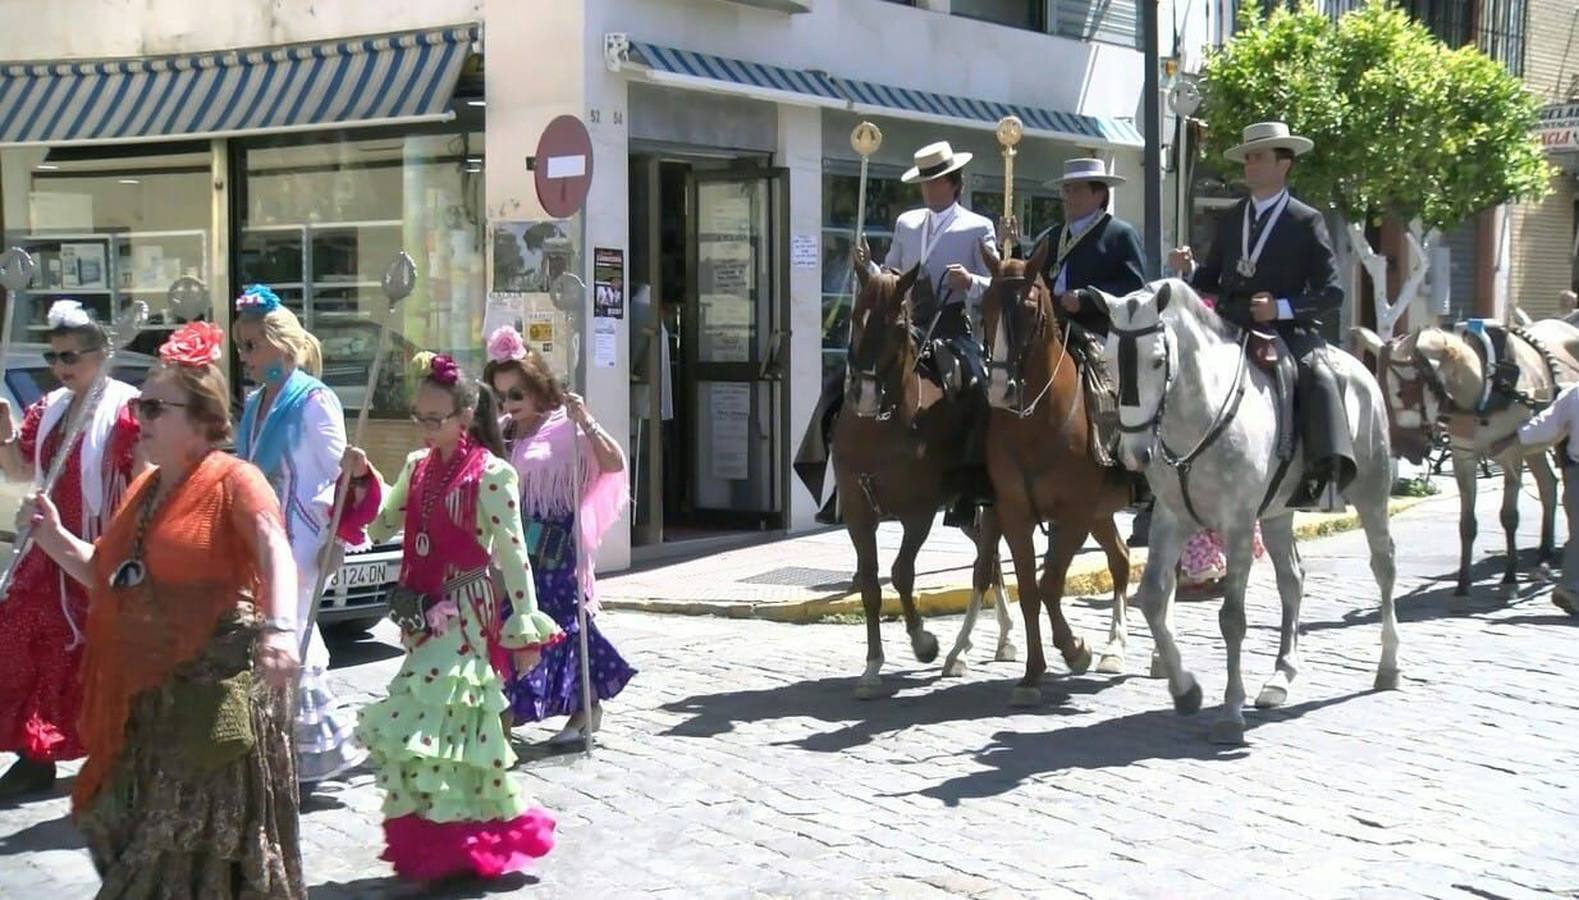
point(356, 597)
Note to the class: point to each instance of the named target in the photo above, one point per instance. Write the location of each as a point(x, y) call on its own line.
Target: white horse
point(1201, 423)
point(1433, 376)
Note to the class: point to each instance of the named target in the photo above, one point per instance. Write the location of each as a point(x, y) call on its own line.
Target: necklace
point(133, 571)
point(432, 489)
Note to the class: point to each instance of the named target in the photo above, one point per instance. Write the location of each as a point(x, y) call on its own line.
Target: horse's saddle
point(1269, 353)
point(1490, 340)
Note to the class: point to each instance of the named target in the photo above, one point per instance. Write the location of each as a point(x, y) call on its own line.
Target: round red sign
point(563, 167)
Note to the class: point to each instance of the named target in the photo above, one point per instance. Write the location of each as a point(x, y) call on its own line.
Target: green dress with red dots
point(438, 747)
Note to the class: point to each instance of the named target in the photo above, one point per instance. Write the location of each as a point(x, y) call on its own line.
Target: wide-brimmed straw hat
point(1087, 170)
point(1269, 135)
point(935, 161)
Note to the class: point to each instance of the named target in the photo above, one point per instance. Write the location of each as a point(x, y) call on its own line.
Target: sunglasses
point(149, 408)
point(433, 423)
point(515, 395)
point(66, 357)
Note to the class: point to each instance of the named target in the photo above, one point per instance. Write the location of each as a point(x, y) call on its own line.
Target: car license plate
point(358, 575)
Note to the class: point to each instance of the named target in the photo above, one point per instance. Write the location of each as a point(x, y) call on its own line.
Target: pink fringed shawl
point(544, 462)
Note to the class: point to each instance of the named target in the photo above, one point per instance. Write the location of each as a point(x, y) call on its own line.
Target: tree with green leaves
point(1404, 126)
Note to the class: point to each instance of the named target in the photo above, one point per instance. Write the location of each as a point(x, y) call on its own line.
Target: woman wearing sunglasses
point(439, 750)
point(293, 428)
point(188, 788)
point(570, 496)
point(41, 623)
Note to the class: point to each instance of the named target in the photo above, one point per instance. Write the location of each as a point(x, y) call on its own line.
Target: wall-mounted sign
point(1559, 128)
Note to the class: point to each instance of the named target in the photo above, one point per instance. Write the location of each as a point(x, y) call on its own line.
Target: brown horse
point(893, 460)
point(1042, 469)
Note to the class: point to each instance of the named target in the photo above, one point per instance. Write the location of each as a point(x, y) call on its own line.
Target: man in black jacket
point(1093, 249)
point(1271, 267)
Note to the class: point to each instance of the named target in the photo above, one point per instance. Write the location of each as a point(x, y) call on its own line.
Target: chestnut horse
point(1041, 466)
point(892, 460)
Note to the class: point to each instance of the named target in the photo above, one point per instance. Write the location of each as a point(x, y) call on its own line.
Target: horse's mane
point(1182, 299)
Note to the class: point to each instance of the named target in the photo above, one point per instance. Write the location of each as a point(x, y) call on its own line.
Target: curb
point(1085, 579)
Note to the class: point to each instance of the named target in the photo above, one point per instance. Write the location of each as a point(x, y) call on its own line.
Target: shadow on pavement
point(54, 834)
point(862, 721)
point(344, 654)
point(1436, 601)
point(390, 886)
point(1014, 758)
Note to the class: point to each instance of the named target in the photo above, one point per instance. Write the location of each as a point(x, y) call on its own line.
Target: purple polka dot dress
point(553, 687)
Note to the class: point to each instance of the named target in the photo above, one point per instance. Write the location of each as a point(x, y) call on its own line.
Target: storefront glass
point(322, 218)
point(107, 226)
point(886, 198)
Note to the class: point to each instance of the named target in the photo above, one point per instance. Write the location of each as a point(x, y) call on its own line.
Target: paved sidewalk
point(807, 578)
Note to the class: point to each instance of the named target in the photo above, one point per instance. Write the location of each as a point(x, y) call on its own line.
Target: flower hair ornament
point(69, 314)
point(437, 366)
point(257, 300)
point(195, 345)
point(505, 344)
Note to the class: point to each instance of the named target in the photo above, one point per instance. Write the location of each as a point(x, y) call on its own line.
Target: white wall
point(64, 29)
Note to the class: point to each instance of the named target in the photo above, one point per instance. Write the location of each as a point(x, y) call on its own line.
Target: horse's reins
point(1225, 413)
point(1024, 411)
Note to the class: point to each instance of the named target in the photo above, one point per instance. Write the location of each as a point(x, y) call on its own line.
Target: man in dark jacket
point(1271, 268)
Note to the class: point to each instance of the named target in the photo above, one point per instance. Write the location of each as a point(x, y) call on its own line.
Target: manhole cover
point(800, 576)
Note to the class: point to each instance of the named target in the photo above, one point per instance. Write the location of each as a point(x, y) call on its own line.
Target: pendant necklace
point(432, 489)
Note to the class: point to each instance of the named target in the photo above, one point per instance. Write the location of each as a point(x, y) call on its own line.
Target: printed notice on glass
point(731, 421)
point(726, 328)
point(604, 343)
point(804, 252)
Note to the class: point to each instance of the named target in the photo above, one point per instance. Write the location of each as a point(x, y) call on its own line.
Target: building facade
point(1545, 235)
point(173, 155)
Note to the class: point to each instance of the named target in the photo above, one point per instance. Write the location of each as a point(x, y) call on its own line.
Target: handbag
point(408, 608)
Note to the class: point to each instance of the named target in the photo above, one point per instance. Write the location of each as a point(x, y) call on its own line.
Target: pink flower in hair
point(444, 370)
point(505, 343)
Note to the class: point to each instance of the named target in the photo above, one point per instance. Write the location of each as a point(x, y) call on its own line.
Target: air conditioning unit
point(784, 6)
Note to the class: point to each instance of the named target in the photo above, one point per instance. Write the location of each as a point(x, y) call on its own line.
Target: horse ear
point(989, 258)
point(907, 281)
point(863, 271)
point(1369, 341)
point(1038, 261)
point(1164, 296)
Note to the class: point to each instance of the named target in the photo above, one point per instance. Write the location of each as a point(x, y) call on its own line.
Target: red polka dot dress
point(43, 615)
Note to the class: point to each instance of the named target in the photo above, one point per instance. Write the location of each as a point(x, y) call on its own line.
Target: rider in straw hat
point(1271, 267)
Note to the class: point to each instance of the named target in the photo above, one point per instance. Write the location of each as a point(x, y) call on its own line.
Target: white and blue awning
point(358, 82)
point(705, 71)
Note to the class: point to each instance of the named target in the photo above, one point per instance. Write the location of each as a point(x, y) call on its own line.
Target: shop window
point(109, 226)
point(1029, 14)
point(322, 218)
point(1037, 209)
point(886, 198)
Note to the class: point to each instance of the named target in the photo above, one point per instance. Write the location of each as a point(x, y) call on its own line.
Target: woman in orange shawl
point(189, 787)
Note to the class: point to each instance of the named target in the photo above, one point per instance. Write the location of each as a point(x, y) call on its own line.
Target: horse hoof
point(868, 689)
point(1189, 702)
point(1022, 697)
point(926, 647)
point(955, 668)
point(1227, 732)
point(1387, 679)
point(1158, 669)
point(1082, 661)
point(1006, 653)
point(1111, 664)
point(1272, 696)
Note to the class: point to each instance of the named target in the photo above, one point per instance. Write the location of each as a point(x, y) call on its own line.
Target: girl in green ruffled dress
point(437, 743)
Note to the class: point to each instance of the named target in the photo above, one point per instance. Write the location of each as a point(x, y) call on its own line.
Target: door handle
point(773, 360)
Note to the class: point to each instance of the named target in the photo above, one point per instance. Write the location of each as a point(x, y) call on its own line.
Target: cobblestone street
point(738, 763)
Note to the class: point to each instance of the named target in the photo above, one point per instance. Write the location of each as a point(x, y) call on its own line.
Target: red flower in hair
point(444, 370)
point(194, 344)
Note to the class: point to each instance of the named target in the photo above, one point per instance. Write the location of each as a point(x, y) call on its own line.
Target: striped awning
point(869, 97)
point(704, 71)
point(737, 76)
point(395, 78)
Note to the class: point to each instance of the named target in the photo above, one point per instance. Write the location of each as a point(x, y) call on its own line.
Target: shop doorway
point(708, 349)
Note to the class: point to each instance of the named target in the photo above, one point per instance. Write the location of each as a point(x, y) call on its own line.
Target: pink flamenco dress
point(1204, 563)
point(437, 745)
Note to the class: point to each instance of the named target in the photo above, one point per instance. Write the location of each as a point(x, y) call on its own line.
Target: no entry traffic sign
point(563, 167)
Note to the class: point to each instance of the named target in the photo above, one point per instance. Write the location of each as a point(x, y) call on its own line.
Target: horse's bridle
point(1013, 366)
point(1412, 391)
point(1129, 395)
point(880, 373)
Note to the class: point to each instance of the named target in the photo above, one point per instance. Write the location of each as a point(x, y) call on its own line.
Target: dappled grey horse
point(1201, 422)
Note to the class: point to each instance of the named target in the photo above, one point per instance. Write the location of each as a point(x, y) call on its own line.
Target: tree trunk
point(1418, 244)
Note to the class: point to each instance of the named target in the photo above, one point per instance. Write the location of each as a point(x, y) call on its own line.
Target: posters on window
point(608, 281)
point(731, 421)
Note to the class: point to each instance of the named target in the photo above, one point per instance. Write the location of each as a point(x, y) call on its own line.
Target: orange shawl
point(202, 562)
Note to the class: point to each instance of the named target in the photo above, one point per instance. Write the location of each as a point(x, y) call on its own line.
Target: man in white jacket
point(1559, 423)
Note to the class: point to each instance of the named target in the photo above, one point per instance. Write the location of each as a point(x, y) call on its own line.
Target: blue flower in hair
point(257, 300)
